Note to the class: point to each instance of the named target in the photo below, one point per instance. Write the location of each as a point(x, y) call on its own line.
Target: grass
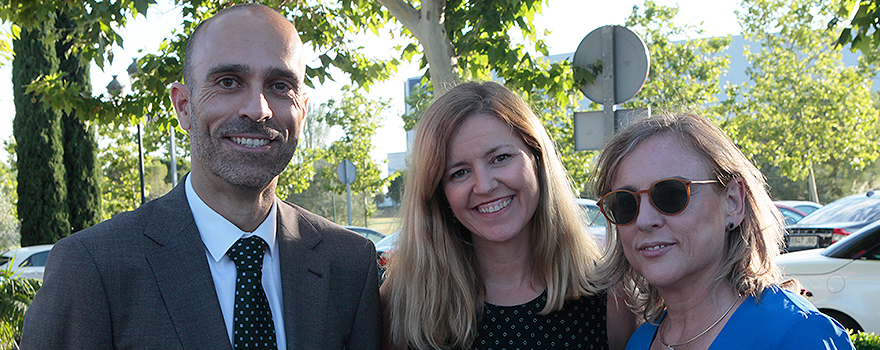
point(384, 225)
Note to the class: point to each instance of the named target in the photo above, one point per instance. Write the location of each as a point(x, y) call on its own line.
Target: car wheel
point(844, 320)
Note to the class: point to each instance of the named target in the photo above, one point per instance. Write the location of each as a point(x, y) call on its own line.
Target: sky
point(567, 20)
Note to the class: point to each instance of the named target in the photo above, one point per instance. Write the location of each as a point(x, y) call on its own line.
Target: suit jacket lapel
point(304, 280)
point(182, 274)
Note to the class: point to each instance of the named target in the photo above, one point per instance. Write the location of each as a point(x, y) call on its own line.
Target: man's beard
point(240, 168)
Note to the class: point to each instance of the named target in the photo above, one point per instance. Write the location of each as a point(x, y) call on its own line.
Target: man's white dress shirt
point(218, 235)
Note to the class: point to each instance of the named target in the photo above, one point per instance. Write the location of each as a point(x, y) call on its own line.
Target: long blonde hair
point(751, 247)
point(436, 295)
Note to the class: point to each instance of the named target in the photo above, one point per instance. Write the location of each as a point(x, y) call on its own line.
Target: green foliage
point(9, 226)
point(318, 198)
point(359, 118)
point(684, 75)
point(119, 163)
point(863, 33)
point(395, 186)
point(5, 47)
point(311, 148)
point(800, 98)
point(420, 97)
point(16, 294)
point(42, 189)
point(92, 26)
point(80, 148)
point(865, 341)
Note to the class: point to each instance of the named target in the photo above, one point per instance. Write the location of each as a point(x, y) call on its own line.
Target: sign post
point(347, 173)
point(624, 62)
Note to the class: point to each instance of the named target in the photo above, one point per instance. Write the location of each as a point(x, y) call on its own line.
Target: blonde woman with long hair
point(492, 251)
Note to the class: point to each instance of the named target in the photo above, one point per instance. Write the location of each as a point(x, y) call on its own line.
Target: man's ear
point(180, 97)
point(736, 199)
point(305, 107)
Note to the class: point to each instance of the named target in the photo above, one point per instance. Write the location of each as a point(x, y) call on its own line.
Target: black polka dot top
point(579, 325)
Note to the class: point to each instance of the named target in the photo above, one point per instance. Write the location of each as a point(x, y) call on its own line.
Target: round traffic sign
point(346, 172)
point(630, 58)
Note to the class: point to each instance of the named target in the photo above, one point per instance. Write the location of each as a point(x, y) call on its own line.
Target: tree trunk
point(814, 193)
point(428, 26)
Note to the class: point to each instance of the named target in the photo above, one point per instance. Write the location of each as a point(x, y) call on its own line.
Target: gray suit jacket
point(141, 281)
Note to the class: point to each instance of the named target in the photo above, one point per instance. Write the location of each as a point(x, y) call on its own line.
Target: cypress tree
point(42, 206)
point(80, 147)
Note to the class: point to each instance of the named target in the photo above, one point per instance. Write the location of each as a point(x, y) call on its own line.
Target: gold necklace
point(673, 346)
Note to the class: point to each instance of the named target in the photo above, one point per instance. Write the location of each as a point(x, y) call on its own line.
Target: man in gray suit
point(162, 276)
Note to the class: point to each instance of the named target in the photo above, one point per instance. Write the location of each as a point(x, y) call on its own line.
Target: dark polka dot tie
point(252, 323)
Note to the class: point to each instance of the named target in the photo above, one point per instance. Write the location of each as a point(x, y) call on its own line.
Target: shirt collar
point(219, 234)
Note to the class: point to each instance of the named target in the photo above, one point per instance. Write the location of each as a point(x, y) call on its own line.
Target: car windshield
point(857, 209)
point(864, 244)
point(592, 216)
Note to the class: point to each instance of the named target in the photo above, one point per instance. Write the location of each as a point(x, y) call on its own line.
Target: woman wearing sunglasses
point(695, 236)
point(493, 253)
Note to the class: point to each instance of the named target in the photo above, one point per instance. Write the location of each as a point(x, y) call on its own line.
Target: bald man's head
point(266, 15)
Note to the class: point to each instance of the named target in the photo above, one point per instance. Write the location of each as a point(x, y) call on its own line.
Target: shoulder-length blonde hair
point(751, 247)
point(436, 296)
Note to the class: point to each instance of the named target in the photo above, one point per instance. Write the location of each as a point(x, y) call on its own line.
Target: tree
point(863, 33)
point(395, 187)
point(80, 148)
point(478, 29)
point(801, 97)
point(359, 117)
point(42, 189)
point(684, 74)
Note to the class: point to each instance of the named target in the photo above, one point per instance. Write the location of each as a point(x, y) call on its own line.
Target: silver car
point(26, 262)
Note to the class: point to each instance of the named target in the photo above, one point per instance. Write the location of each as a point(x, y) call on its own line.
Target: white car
point(594, 220)
point(26, 262)
point(844, 278)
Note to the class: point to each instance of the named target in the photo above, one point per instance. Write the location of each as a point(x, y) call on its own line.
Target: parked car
point(844, 278)
point(806, 207)
point(790, 214)
point(27, 262)
point(594, 220)
point(368, 233)
point(384, 248)
point(833, 222)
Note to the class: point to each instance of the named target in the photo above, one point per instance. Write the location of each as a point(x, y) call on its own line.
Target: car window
point(38, 259)
point(4, 259)
point(863, 245)
point(806, 209)
point(592, 216)
point(860, 209)
point(790, 216)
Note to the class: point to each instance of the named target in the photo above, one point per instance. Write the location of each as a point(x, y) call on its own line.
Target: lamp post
point(132, 69)
point(115, 88)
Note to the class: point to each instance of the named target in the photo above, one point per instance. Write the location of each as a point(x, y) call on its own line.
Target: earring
point(730, 226)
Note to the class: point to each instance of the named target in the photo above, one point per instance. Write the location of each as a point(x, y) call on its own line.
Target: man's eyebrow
point(228, 68)
point(284, 73)
point(281, 73)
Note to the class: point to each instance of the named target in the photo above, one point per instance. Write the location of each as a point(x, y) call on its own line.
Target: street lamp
point(115, 88)
point(132, 70)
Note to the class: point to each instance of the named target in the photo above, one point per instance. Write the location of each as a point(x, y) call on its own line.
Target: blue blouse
point(783, 320)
